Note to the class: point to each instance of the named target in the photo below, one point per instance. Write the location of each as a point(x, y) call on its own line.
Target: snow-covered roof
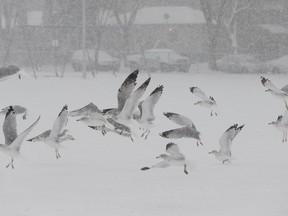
point(275, 29)
point(165, 15)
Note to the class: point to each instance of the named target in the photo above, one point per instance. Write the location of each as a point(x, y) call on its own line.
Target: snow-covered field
point(100, 175)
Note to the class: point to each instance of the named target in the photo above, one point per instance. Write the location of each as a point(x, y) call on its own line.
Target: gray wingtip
point(192, 89)
point(263, 80)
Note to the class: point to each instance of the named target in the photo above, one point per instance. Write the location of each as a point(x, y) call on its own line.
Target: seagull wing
point(126, 89)
point(40, 137)
point(284, 119)
point(199, 93)
point(85, 111)
point(162, 164)
point(227, 138)
point(16, 144)
point(285, 89)
point(268, 84)
point(180, 133)
point(180, 119)
point(132, 101)
point(147, 106)
point(10, 126)
point(173, 149)
point(60, 122)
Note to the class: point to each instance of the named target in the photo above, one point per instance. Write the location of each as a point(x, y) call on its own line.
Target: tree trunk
point(233, 38)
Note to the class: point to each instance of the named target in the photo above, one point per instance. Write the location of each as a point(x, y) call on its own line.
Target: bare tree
point(233, 9)
point(125, 12)
point(9, 15)
point(213, 13)
point(99, 13)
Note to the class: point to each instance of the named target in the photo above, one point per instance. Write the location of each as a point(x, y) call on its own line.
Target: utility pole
point(84, 38)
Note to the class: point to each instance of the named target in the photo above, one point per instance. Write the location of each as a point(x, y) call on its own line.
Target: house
point(177, 27)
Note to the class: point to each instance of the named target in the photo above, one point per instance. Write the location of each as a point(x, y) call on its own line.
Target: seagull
point(17, 109)
point(224, 154)
point(281, 123)
point(12, 140)
point(124, 92)
point(96, 119)
point(117, 128)
point(57, 135)
point(87, 110)
point(278, 93)
point(208, 102)
point(175, 158)
point(187, 131)
point(146, 108)
point(125, 116)
point(90, 115)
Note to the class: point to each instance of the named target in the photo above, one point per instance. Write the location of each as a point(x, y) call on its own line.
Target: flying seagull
point(281, 123)
point(208, 102)
point(87, 110)
point(188, 129)
point(278, 93)
point(124, 92)
point(13, 141)
point(146, 107)
point(116, 128)
point(17, 109)
point(224, 154)
point(57, 135)
point(126, 114)
point(175, 158)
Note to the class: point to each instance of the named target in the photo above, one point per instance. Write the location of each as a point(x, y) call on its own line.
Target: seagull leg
point(103, 130)
point(199, 142)
point(147, 134)
point(57, 154)
point(24, 117)
point(185, 170)
point(11, 163)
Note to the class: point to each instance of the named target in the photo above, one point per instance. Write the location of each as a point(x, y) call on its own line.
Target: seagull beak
point(270, 123)
point(29, 140)
point(210, 153)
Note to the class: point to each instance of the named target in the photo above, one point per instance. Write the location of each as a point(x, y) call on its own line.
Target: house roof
point(165, 15)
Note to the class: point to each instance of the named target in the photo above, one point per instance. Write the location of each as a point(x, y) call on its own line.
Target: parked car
point(105, 61)
point(279, 65)
point(159, 59)
point(241, 63)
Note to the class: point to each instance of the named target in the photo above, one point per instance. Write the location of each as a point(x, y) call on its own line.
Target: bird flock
point(134, 118)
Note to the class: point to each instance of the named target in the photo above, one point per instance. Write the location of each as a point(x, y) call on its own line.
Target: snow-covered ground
point(100, 175)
